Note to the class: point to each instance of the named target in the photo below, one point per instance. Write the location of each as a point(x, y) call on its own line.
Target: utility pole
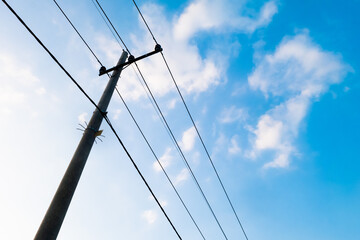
point(51, 224)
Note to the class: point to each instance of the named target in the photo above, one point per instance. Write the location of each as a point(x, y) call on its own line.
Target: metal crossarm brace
point(131, 59)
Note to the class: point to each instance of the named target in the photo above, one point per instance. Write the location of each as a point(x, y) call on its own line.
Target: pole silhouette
point(54, 217)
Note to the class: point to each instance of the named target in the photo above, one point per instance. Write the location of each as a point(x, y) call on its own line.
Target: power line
point(172, 135)
point(133, 118)
point(183, 156)
point(193, 122)
point(112, 26)
point(145, 21)
point(142, 177)
point(97, 59)
point(156, 110)
point(162, 167)
point(99, 11)
point(207, 152)
point(104, 114)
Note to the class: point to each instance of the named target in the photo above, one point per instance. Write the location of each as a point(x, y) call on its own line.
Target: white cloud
point(196, 158)
point(172, 103)
point(18, 82)
point(194, 72)
point(182, 176)
point(117, 114)
point(9, 95)
point(232, 114)
point(281, 160)
point(268, 133)
point(8, 98)
point(188, 140)
point(82, 117)
point(165, 160)
point(150, 216)
point(197, 75)
point(220, 142)
point(163, 203)
point(11, 71)
point(300, 71)
point(234, 146)
point(40, 91)
point(202, 15)
point(298, 66)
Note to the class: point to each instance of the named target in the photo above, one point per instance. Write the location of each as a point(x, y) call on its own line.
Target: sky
point(273, 87)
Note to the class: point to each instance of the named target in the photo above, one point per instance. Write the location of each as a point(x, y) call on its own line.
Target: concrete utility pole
point(51, 224)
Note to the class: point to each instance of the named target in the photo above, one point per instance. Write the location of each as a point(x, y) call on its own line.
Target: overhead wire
point(107, 24)
point(184, 159)
point(162, 167)
point(206, 150)
point(104, 114)
point(193, 122)
point(145, 21)
point(72, 25)
point(156, 110)
point(136, 123)
point(171, 133)
point(112, 26)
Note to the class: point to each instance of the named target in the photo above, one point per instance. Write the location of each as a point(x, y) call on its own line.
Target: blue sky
point(272, 85)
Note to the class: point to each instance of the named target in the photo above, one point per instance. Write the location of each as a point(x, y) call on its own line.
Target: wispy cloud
point(20, 83)
point(300, 71)
point(220, 15)
point(171, 104)
point(197, 75)
point(40, 91)
point(187, 142)
point(234, 146)
point(182, 176)
point(150, 216)
point(82, 117)
point(232, 114)
point(165, 160)
point(10, 70)
point(201, 71)
point(117, 113)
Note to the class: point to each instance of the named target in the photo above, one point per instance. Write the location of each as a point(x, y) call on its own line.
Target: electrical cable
point(133, 118)
point(158, 161)
point(156, 110)
point(99, 11)
point(97, 59)
point(142, 177)
point(145, 22)
point(172, 135)
point(112, 26)
point(193, 122)
point(174, 139)
point(104, 114)
point(182, 155)
point(207, 152)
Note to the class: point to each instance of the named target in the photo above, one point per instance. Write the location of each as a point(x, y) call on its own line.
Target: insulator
point(131, 58)
point(102, 70)
point(158, 48)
